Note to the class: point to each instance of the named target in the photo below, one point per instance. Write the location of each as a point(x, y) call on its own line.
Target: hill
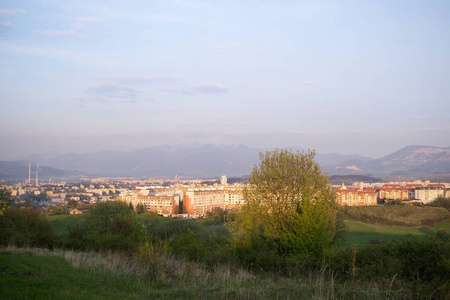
point(18, 170)
point(409, 161)
point(349, 179)
point(209, 161)
point(193, 160)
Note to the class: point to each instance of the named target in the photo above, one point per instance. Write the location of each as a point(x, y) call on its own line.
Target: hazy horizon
point(363, 78)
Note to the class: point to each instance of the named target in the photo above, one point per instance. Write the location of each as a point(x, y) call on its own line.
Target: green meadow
point(361, 233)
point(357, 232)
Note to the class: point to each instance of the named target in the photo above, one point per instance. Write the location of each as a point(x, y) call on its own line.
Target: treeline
point(414, 267)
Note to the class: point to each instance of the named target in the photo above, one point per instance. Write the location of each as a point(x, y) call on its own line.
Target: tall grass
point(157, 273)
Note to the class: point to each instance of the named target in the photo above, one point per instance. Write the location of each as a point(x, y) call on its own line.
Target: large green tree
point(289, 202)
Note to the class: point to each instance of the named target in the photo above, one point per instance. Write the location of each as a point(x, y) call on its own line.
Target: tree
point(108, 225)
point(288, 202)
point(5, 199)
point(140, 209)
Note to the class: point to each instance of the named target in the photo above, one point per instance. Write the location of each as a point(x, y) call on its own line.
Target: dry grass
point(162, 276)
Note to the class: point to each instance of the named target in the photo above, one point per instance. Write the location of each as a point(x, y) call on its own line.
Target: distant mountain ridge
point(208, 160)
point(412, 160)
point(192, 160)
point(18, 170)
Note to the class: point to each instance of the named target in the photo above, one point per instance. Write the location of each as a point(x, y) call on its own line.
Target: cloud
point(234, 48)
point(140, 79)
point(116, 91)
point(121, 89)
point(61, 33)
point(11, 11)
point(77, 32)
point(82, 22)
point(203, 88)
point(5, 25)
point(46, 52)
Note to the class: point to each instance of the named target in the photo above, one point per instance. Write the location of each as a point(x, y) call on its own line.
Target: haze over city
point(351, 77)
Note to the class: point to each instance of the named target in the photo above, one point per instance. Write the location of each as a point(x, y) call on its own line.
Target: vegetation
point(362, 233)
point(61, 224)
point(199, 254)
point(107, 226)
point(289, 208)
point(39, 273)
point(26, 227)
point(5, 198)
point(284, 243)
point(396, 215)
point(441, 202)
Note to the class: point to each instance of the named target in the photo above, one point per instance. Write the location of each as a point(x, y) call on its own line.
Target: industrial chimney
point(37, 175)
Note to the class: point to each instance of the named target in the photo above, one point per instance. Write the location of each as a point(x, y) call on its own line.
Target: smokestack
point(37, 175)
point(29, 172)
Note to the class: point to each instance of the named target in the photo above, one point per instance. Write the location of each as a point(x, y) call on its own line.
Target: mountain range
point(412, 160)
point(208, 160)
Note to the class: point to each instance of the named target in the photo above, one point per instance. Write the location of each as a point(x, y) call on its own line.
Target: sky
point(350, 77)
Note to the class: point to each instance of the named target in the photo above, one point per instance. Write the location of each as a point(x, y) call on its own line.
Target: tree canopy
point(289, 201)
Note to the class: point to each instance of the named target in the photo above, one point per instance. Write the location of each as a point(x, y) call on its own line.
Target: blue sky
point(353, 77)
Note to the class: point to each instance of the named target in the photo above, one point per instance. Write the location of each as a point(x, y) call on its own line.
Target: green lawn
point(35, 276)
point(361, 233)
point(46, 277)
point(62, 223)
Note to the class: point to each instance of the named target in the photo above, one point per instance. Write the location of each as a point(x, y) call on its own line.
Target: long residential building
point(356, 197)
point(198, 202)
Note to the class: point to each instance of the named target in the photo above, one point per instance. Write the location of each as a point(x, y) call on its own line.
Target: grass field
point(62, 223)
point(396, 215)
point(361, 233)
point(31, 273)
point(357, 232)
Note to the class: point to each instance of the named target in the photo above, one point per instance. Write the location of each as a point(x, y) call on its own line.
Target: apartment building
point(356, 197)
point(429, 193)
point(393, 192)
point(160, 204)
point(199, 201)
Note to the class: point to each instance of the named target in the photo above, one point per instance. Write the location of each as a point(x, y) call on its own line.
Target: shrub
point(26, 227)
point(107, 226)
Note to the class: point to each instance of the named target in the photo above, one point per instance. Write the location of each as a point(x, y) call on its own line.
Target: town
point(196, 198)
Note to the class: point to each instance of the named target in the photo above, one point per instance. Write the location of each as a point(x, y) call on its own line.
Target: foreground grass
point(30, 273)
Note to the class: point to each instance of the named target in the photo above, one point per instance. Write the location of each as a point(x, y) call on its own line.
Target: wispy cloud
point(11, 11)
point(61, 33)
point(203, 88)
point(116, 91)
point(310, 83)
point(121, 89)
point(47, 52)
point(77, 30)
point(5, 25)
point(439, 128)
point(234, 47)
point(84, 21)
point(140, 79)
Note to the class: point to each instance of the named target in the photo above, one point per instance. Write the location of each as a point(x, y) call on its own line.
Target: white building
point(428, 194)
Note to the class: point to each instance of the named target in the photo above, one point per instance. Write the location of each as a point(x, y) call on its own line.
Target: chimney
point(37, 175)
